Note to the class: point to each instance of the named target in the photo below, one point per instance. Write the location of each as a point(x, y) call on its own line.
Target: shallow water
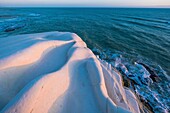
point(130, 35)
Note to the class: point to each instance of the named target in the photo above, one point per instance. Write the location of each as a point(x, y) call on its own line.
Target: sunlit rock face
point(55, 72)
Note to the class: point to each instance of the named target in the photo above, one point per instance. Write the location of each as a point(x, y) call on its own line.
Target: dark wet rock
point(9, 29)
point(126, 81)
point(131, 75)
point(147, 107)
point(144, 106)
point(13, 28)
point(153, 74)
point(96, 51)
point(134, 82)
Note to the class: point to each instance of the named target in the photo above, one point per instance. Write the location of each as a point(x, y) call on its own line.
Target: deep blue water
point(137, 35)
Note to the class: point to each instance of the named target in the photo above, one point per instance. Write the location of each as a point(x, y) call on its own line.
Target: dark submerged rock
point(153, 74)
point(13, 28)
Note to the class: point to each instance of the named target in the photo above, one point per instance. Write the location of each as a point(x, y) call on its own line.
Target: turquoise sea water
point(133, 35)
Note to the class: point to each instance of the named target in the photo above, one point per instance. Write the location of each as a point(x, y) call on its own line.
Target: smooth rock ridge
point(55, 72)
